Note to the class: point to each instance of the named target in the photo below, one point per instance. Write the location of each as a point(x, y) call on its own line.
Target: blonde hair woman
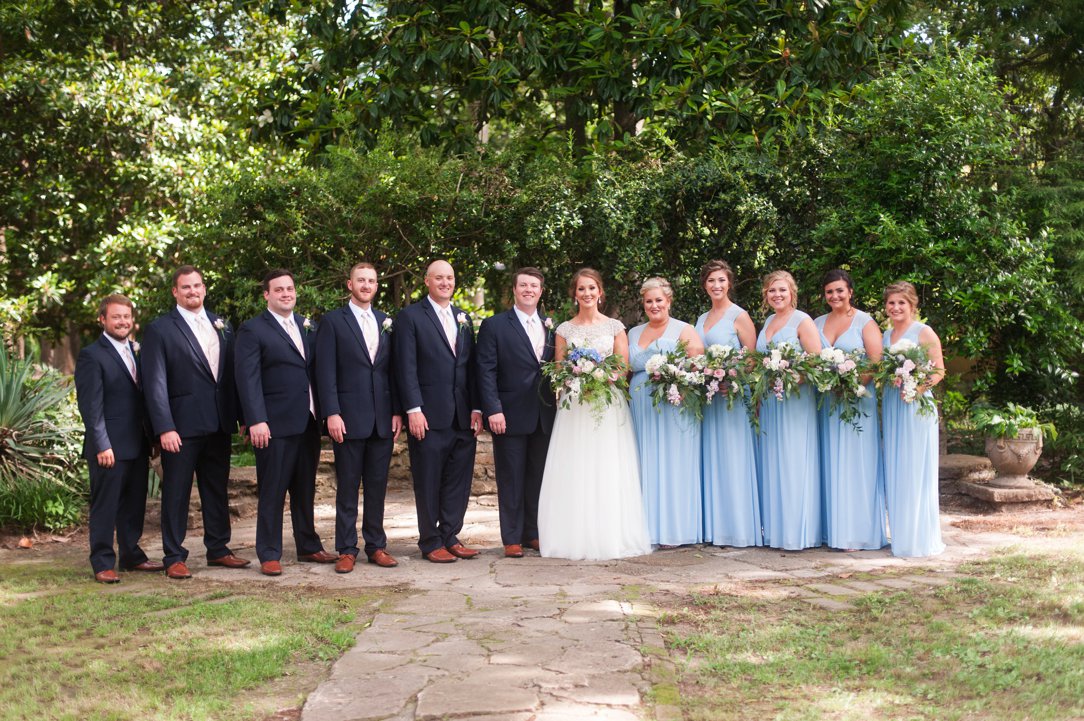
point(790, 483)
point(910, 438)
point(668, 440)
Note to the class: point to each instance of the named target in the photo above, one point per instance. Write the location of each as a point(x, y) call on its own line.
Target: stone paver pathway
point(536, 639)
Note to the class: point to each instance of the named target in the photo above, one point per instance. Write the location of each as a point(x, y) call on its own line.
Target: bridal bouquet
point(838, 376)
point(725, 373)
point(677, 379)
point(587, 378)
point(778, 373)
point(906, 366)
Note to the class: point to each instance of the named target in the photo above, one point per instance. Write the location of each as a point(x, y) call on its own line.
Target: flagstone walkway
point(536, 639)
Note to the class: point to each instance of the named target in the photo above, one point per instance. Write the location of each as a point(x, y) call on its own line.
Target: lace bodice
point(599, 336)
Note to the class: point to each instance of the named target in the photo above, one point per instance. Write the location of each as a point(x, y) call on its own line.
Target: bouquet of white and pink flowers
point(585, 377)
point(838, 376)
point(677, 379)
point(725, 373)
point(778, 373)
point(907, 366)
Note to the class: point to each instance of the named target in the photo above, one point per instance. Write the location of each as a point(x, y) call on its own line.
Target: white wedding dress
point(591, 507)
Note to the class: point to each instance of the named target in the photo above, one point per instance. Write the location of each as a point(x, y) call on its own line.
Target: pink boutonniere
point(462, 319)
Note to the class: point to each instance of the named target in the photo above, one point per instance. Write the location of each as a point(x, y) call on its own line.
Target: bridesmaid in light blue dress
point(790, 484)
point(910, 439)
point(851, 478)
point(667, 438)
point(728, 456)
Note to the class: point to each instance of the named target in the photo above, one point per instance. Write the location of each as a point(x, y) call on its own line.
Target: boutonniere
point(385, 326)
point(462, 319)
point(308, 325)
point(135, 348)
point(548, 323)
point(220, 326)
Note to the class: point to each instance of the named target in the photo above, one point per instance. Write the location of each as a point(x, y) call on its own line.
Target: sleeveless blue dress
point(851, 471)
point(911, 470)
point(728, 457)
point(669, 449)
point(789, 452)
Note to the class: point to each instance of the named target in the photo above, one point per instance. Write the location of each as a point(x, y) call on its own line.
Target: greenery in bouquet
point(906, 366)
point(778, 373)
point(586, 378)
point(1008, 421)
point(677, 379)
point(838, 376)
point(725, 373)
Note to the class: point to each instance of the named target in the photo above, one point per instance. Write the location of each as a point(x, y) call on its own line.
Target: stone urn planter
point(1014, 457)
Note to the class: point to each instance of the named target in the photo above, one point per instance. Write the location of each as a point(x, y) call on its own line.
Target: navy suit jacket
point(110, 402)
point(427, 373)
point(510, 377)
point(181, 392)
point(273, 379)
point(353, 385)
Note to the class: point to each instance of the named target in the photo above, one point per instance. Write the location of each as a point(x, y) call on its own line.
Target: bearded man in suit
point(274, 361)
point(192, 404)
point(110, 395)
point(357, 396)
point(434, 364)
point(518, 406)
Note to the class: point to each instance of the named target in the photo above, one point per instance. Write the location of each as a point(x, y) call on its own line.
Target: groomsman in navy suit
point(275, 372)
point(107, 384)
point(434, 363)
point(359, 401)
point(192, 404)
point(518, 406)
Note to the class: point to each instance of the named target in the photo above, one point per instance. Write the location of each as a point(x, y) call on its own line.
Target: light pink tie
point(449, 327)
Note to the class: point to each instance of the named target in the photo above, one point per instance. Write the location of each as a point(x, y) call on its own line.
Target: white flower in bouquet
point(654, 363)
point(902, 346)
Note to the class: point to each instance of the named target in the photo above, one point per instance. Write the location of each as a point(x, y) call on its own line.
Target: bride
point(590, 506)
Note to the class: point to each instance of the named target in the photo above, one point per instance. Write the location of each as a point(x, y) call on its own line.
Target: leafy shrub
point(41, 477)
point(1066, 452)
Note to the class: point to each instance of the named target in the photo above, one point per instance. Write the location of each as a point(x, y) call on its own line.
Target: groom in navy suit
point(192, 404)
point(518, 406)
point(275, 372)
point(108, 388)
point(434, 363)
point(359, 402)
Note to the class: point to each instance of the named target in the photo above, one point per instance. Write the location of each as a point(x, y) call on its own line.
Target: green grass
point(157, 649)
point(1005, 641)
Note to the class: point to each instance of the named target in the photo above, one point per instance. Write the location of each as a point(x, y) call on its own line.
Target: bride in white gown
point(591, 506)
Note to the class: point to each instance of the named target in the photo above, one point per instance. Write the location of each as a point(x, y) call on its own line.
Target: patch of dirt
point(1055, 522)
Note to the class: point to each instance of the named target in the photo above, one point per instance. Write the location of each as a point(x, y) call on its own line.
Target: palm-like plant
point(39, 432)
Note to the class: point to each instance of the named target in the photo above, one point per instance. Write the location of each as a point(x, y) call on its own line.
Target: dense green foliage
point(41, 478)
point(693, 71)
point(117, 116)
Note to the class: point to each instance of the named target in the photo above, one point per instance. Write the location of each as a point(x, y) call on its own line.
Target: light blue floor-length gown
point(851, 473)
point(911, 470)
point(728, 457)
point(669, 447)
point(789, 450)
